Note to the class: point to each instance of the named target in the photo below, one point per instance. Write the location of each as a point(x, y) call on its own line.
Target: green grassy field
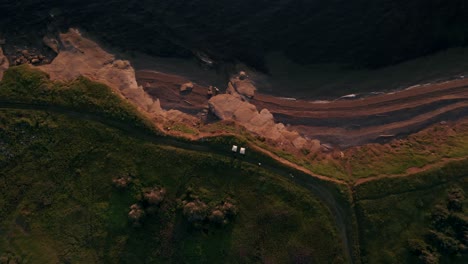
point(58, 203)
point(393, 213)
point(400, 156)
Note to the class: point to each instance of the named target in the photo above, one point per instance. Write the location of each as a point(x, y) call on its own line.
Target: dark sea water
point(354, 34)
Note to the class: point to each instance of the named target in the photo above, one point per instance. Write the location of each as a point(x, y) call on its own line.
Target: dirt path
point(409, 172)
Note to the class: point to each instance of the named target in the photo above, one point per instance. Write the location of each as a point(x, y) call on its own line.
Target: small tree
point(217, 217)
point(455, 199)
point(136, 214)
point(229, 209)
point(439, 216)
point(154, 196)
point(121, 182)
point(423, 251)
point(195, 211)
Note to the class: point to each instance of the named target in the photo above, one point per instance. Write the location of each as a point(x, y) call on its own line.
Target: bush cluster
point(448, 235)
point(199, 214)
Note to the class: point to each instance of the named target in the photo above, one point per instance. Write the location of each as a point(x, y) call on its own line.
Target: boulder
point(299, 142)
point(242, 75)
point(121, 64)
point(186, 87)
point(263, 118)
point(230, 107)
point(155, 107)
point(245, 88)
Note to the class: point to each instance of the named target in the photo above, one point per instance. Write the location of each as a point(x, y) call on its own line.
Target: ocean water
point(321, 41)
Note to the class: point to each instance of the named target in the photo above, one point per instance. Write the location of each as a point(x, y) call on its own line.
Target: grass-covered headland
point(76, 190)
point(84, 178)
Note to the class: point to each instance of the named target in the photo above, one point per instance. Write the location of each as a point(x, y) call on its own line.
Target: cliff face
point(361, 33)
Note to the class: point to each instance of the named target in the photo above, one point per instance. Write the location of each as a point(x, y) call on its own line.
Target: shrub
point(229, 209)
point(195, 211)
point(136, 214)
point(439, 216)
point(154, 196)
point(423, 251)
point(122, 182)
point(455, 199)
point(445, 243)
point(218, 217)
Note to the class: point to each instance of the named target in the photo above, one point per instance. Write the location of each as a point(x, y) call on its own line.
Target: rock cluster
point(24, 56)
point(233, 107)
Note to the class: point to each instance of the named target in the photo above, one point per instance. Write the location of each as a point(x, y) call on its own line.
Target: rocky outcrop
point(226, 106)
point(89, 60)
point(52, 43)
point(242, 85)
point(79, 56)
point(232, 107)
point(4, 64)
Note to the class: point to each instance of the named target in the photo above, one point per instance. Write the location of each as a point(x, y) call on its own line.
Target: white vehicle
point(242, 151)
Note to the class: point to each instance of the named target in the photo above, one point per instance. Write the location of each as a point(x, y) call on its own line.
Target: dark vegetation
point(26, 85)
point(418, 219)
point(351, 32)
point(448, 231)
point(198, 213)
point(75, 190)
point(57, 196)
